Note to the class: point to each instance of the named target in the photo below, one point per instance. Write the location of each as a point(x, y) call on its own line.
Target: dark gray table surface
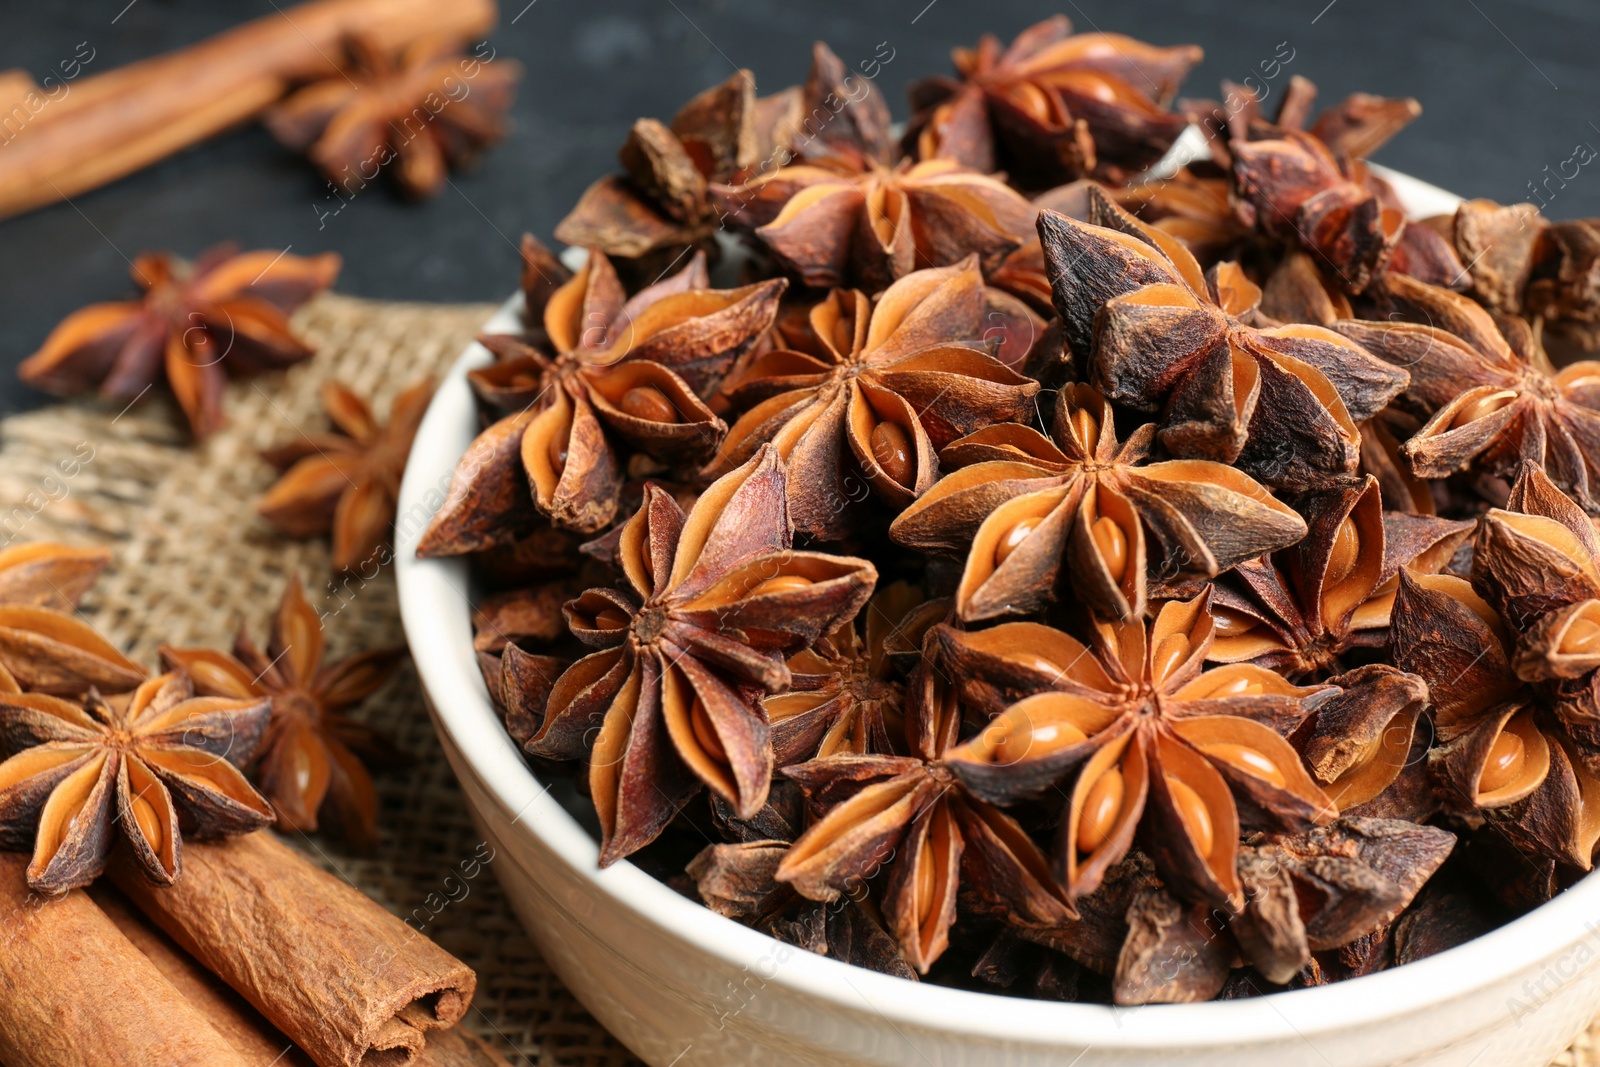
point(1509, 88)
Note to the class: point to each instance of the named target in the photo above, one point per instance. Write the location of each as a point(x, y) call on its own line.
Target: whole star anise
point(1029, 510)
point(1510, 659)
point(348, 482)
point(310, 761)
point(883, 386)
point(627, 373)
point(1157, 741)
point(1492, 400)
point(159, 763)
point(1053, 106)
point(428, 109)
point(47, 651)
point(911, 815)
point(716, 600)
point(44, 574)
point(1300, 609)
point(195, 324)
point(1153, 332)
point(843, 695)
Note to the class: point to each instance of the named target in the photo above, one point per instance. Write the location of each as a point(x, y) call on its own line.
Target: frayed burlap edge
point(192, 561)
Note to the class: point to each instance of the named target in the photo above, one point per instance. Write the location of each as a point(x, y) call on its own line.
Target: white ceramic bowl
point(682, 986)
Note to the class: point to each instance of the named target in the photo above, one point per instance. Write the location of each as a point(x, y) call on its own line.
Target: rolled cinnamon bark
point(75, 992)
point(258, 1042)
point(345, 980)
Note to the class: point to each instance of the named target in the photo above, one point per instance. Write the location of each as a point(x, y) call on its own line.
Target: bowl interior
point(435, 605)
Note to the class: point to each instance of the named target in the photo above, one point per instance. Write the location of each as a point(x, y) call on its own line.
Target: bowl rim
point(436, 618)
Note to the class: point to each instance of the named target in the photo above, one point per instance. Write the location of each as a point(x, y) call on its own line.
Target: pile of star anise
point(1018, 569)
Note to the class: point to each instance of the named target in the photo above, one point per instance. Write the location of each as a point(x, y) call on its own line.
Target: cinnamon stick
point(345, 980)
point(75, 992)
point(108, 125)
point(257, 1041)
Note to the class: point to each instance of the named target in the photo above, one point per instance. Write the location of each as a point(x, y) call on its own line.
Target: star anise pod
point(1053, 106)
point(1492, 399)
point(430, 109)
point(347, 482)
point(47, 651)
point(159, 763)
point(1302, 608)
point(627, 373)
point(715, 602)
point(843, 695)
point(883, 386)
point(1510, 660)
point(1029, 510)
point(1313, 892)
point(1152, 332)
point(43, 574)
point(194, 325)
point(1159, 744)
point(910, 816)
point(310, 761)
point(833, 225)
point(662, 202)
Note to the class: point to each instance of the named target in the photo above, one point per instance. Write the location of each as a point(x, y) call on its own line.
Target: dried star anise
point(44, 574)
point(1152, 331)
point(1053, 106)
point(715, 601)
point(348, 482)
point(910, 816)
point(1510, 660)
point(1492, 399)
point(843, 695)
point(882, 386)
point(196, 323)
point(48, 651)
point(1163, 744)
point(1298, 610)
point(430, 108)
point(310, 760)
point(1078, 505)
point(149, 762)
point(626, 372)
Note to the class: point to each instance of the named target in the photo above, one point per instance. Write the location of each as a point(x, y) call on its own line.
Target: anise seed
point(1342, 556)
point(1169, 655)
point(705, 733)
point(144, 814)
point(610, 618)
point(649, 403)
point(1581, 638)
point(1192, 810)
point(1014, 537)
point(1248, 760)
point(1018, 745)
point(783, 583)
point(1230, 623)
point(1506, 757)
point(558, 454)
point(1482, 406)
point(1086, 427)
point(1113, 546)
point(1101, 806)
point(891, 447)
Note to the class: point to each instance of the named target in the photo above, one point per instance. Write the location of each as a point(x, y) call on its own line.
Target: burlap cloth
point(192, 560)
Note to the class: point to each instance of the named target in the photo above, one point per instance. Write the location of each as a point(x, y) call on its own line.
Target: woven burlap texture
point(191, 561)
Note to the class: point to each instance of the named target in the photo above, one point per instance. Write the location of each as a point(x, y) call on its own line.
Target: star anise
point(833, 225)
point(1492, 399)
point(661, 202)
point(195, 324)
point(843, 695)
point(47, 651)
point(43, 574)
point(715, 601)
point(884, 385)
point(1510, 661)
point(911, 816)
point(348, 482)
point(1159, 743)
point(627, 372)
point(1053, 106)
point(430, 108)
point(1152, 331)
point(1300, 609)
point(310, 762)
point(1029, 510)
point(159, 763)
